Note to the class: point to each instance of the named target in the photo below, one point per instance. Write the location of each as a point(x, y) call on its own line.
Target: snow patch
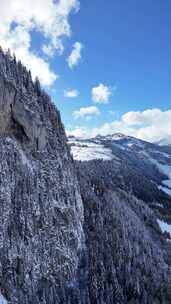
point(88, 151)
point(166, 170)
point(25, 160)
point(164, 189)
point(3, 300)
point(164, 226)
point(130, 144)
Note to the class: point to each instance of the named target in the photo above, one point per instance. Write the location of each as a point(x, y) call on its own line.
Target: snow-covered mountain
point(101, 147)
point(153, 159)
point(107, 148)
point(119, 147)
point(144, 166)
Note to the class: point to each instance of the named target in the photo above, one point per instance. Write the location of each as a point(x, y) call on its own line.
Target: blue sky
point(125, 47)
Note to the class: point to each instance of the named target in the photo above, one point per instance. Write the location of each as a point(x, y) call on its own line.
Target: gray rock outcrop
point(14, 115)
point(31, 124)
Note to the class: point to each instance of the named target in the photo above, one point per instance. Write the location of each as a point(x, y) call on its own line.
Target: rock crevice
point(14, 114)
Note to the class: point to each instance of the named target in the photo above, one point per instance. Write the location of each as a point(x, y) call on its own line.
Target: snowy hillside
point(145, 153)
point(107, 148)
point(138, 166)
point(87, 150)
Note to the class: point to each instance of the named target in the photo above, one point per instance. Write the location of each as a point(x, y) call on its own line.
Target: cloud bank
point(151, 125)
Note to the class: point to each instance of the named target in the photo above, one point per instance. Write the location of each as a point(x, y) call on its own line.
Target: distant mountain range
point(100, 147)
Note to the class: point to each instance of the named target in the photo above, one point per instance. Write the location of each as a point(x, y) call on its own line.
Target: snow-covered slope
point(86, 150)
point(103, 147)
point(137, 151)
point(139, 166)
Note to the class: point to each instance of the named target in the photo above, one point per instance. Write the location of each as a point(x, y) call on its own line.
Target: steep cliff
point(41, 213)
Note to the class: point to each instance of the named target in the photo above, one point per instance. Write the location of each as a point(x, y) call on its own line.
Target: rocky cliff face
point(52, 250)
point(41, 236)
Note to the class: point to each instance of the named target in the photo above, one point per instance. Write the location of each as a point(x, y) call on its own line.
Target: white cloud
point(48, 50)
point(78, 132)
point(75, 55)
point(71, 93)
point(101, 94)
point(87, 112)
point(18, 19)
point(151, 125)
